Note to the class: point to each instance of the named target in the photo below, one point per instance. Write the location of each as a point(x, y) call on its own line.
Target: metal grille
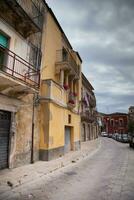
point(4, 138)
point(15, 66)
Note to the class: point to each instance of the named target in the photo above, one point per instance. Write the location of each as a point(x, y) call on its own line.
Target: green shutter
point(3, 40)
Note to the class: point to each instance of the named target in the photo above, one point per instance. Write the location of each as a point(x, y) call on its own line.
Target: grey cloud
point(102, 32)
point(114, 103)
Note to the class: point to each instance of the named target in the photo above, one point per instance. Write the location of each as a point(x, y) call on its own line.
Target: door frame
point(71, 137)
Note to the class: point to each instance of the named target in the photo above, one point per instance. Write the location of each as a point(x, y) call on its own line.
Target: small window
point(112, 122)
point(64, 55)
point(121, 122)
point(35, 56)
point(4, 40)
point(69, 119)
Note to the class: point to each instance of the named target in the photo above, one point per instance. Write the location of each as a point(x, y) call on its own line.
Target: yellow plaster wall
point(53, 127)
point(56, 134)
point(44, 125)
point(54, 117)
point(52, 42)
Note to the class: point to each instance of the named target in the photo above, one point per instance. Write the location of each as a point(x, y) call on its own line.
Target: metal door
point(4, 138)
point(67, 146)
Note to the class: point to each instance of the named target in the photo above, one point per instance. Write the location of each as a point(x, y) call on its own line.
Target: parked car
point(110, 135)
point(125, 138)
point(116, 137)
point(122, 138)
point(131, 139)
point(113, 136)
point(104, 134)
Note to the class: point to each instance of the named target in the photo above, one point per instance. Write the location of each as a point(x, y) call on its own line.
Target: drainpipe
point(32, 143)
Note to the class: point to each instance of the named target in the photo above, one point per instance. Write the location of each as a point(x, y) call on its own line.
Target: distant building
point(89, 124)
point(115, 123)
point(131, 113)
point(100, 117)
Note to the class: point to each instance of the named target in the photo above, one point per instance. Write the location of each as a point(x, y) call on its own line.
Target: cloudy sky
point(102, 31)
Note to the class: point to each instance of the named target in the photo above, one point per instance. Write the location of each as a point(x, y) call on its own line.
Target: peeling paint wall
point(21, 130)
point(24, 132)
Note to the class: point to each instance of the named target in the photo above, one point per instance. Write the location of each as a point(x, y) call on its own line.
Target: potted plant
point(71, 101)
point(75, 94)
point(66, 87)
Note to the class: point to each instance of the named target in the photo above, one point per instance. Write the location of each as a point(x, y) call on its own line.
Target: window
point(35, 56)
point(64, 55)
point(3, 40)
point(121, 122)
point(112, 122)
point(69, 119)
point(3, 44)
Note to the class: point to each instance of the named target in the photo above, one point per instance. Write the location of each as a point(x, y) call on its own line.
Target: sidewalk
point(11, 178)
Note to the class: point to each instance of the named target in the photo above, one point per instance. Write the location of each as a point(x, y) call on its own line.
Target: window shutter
point(3, 40)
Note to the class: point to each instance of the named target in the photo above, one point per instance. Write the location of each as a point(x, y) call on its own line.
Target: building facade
point(21, 24)
point(131, 113)
point(60, 93)
point(116, 123)
point(89, 123)
point(40, 87)
point(100, 122)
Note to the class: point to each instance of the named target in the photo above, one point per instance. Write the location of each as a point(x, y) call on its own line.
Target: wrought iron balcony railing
point(64, 60)
point(34, 8)
point(71, 100)
point(26, 16)
point(87, 116)
point(18, 68)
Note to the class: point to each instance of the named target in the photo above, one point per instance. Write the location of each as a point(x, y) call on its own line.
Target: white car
point(104, 134)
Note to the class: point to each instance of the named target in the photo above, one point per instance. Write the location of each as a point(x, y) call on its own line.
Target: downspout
point(32, 142)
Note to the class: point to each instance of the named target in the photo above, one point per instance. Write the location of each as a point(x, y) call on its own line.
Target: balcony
point(71, 100)
point(87, 116)
point(92, 101)
point(15, 72)
point(26, 16)
point(65, 61)
point(53, 92)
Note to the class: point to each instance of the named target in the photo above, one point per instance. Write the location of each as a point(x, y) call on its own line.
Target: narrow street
point(106, 175)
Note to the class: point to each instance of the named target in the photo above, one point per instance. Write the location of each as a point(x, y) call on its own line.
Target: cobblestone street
point(107, 174)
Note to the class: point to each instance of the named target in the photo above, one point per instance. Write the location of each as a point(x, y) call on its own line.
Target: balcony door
point(3, 44)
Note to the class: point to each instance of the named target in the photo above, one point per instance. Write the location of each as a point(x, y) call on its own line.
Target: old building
point(89, 123)
point(116, 123)
point(131, 113)
point(100, 122)
point(60, 92)
point(21, 25)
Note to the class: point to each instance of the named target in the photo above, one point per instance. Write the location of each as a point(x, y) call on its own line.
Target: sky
point(102, 31)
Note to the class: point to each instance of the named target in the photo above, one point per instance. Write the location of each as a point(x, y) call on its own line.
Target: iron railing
point(18, 68)
point(35, 9)
point(87, 116)
point(62, 57)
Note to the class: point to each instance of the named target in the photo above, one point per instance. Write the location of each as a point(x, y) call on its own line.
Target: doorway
point(5, 119)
